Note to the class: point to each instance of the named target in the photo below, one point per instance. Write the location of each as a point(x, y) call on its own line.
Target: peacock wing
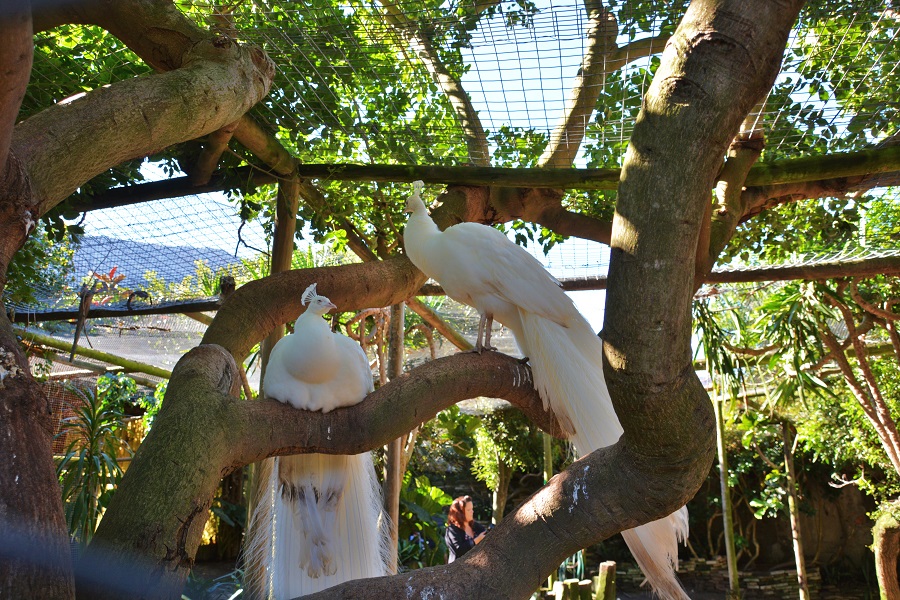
point(495, 265)
point(353, 380)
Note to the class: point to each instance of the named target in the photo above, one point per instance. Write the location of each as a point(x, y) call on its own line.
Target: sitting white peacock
point(319, 520)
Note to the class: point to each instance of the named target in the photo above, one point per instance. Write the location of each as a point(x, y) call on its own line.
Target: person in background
point(463, 532)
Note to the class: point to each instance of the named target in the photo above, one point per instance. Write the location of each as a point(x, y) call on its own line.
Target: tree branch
point(204, 432)
point(726, 213)
point(66, 144)
point(466, 115)
point(216, 143)
point(268, 428)
point(883, 313)
point(256, 308)
point(16, 52)
point(566, 138)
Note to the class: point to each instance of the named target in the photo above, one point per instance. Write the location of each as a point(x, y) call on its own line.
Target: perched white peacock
point(479, 266)
point(319, 521)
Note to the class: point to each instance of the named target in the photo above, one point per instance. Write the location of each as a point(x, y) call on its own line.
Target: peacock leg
point(487, 333)
point(478, 345)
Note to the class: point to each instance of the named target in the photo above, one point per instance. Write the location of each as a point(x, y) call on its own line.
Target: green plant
point(88, 471)
point(118, 391)
point(152, 403)
point(505, 436)
point(42, 267)
point(420, 531)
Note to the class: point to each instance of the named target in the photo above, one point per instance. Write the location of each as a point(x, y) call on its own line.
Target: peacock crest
point(309, 295)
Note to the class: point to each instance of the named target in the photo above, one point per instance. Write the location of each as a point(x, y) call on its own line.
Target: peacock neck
point(420, 233)
point(312, 320)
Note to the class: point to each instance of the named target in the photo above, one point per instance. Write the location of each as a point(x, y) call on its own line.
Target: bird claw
point(480, 348)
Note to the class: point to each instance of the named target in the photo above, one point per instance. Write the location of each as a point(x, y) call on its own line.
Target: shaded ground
point(648, 596)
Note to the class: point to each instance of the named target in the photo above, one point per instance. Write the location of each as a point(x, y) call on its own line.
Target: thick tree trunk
point(34, 547)
point(154, 541)
point(49, 156)
point(886, 542)
point(35, 559)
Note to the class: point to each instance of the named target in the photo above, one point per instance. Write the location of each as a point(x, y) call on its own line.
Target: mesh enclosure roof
point(349, 87)
point(521, 63)
point(518, 67)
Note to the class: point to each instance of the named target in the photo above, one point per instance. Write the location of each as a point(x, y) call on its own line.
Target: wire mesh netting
point(349, 82)
point(521, 64)
point(346, 73)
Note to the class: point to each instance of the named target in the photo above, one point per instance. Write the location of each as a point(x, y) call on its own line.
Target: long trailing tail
point(567, 363)
point(307, 535)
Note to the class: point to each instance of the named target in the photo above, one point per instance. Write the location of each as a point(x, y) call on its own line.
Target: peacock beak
point(331, 306)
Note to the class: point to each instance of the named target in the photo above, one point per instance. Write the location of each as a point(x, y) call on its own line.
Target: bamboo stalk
point(125, 363)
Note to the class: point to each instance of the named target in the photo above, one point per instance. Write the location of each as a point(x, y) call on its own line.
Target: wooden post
point(734, 584)
point(606, 581)
point(393, 468)
point(570, 589)
point(788, 440)
point(286, 205)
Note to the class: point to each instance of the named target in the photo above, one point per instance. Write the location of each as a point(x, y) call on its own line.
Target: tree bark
point(466, 115)
point(45, 159)
point(886, 544)
point(719, 63)
point(34, 550)
point(566, 138)
point(35, 559)
point(256, 308)
point(68, 143)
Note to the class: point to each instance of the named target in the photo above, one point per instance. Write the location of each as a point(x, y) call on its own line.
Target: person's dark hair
point(457, 513)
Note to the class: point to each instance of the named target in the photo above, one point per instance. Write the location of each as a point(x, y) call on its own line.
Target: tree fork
point(204, 432)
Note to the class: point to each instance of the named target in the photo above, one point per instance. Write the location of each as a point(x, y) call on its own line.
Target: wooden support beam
point(101, 312)
point(95, 369)
point(887, 265)
point(176, 187)
point(814, 168)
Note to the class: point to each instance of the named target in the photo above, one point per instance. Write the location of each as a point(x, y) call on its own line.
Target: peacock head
point(319, 305)
point(414, 203)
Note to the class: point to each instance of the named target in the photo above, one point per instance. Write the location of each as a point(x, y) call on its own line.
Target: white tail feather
point(287, 554)
point(567, 363)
